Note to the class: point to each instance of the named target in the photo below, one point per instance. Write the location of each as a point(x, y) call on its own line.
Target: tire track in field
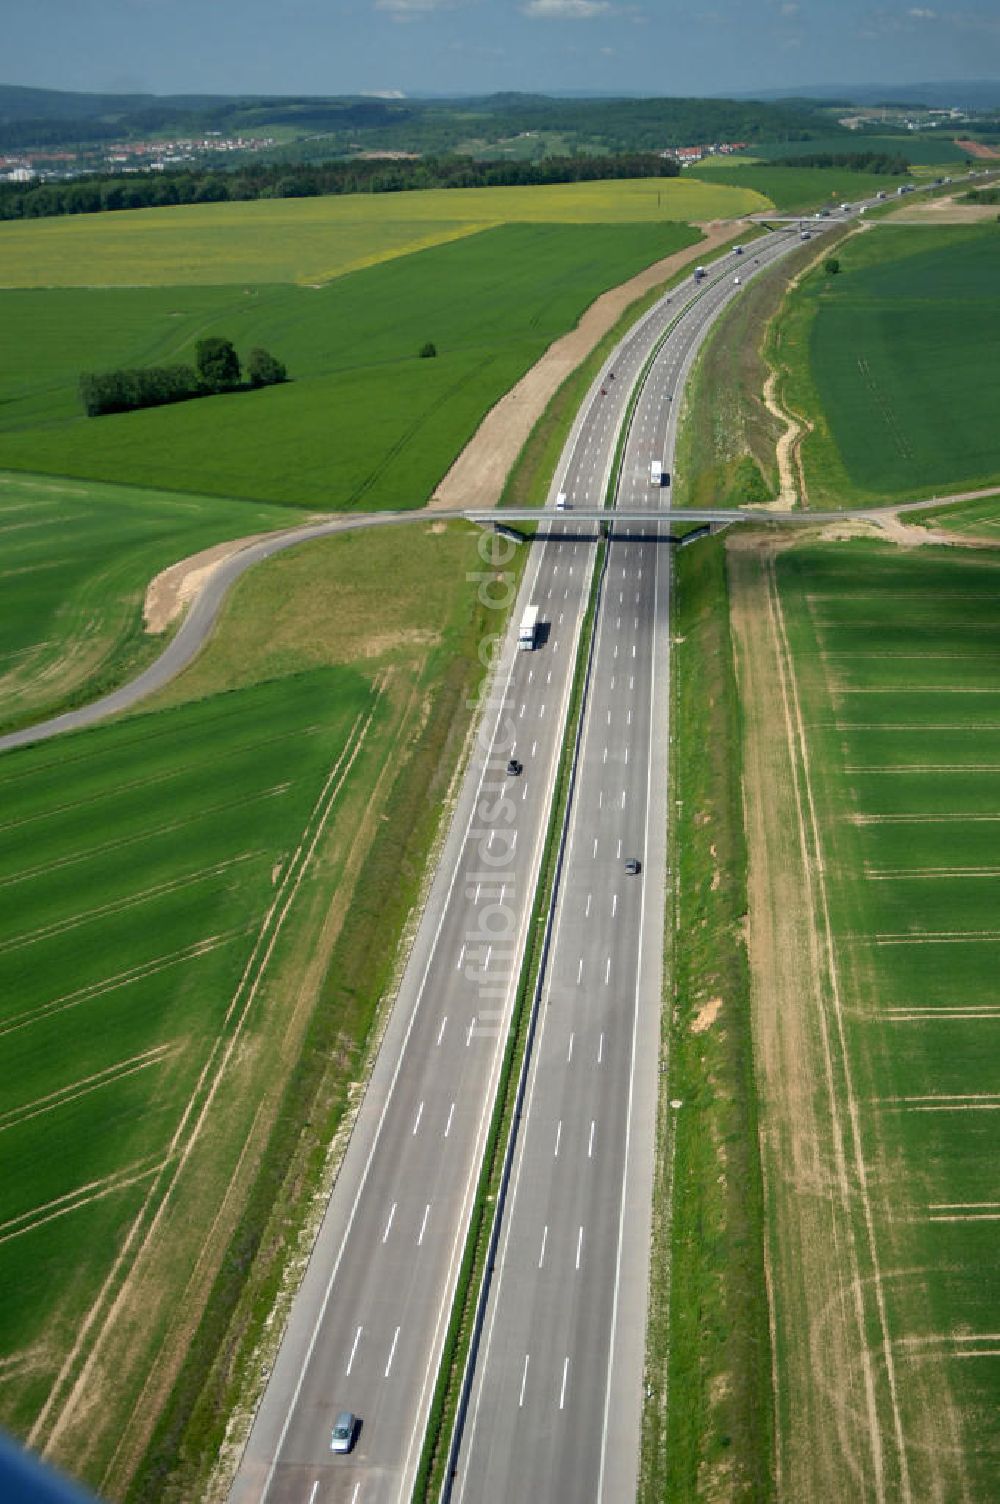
point(817, 902)
point(84, 1195)
point(44, 868)
point(67, 1391)
point(120, 979)
point(132, 901)
point(72, 1092)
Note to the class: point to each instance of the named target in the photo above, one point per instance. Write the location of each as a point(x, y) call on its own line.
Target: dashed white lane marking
point(461, 958)
point(595, 846)
point(441, 1030)
point(579, 1246)
point(535, 744)
point(354, 1348)
point(451, 1114)
point(569, 1052)
point(614, 904)
point(586, 912)
point(562, 1392)
point(626, 754)
point(416, 1121)
point(609, 723)
point(313, 1492)
point(590, 1145)
point(389, 1223)
point(607, 971)
point(423, 1224)
point(600, 1048)
point(521, 712)
point(545, 1238)
point(524, 1380)
point(392, 1351)
point(629, 721)
point(558, 1137)
point(579, 971)
point(524, 793)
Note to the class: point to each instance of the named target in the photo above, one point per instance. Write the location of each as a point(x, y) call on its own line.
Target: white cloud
point(921, 13)
point(412, 10)
point(567, 10)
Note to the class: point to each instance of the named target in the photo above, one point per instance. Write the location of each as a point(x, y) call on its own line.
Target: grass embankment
point(707, 1422)
point(76, 562)
point(727, 438)
point(889, 362)
point(180, 834)
point(871, 681)
point(531, 476)
point(454, 1358)
point(364, 422)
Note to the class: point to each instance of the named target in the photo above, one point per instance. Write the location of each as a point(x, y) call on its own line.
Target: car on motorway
point(562, 504)
point(633, 866)
point(514, 768)
point(345, 1428)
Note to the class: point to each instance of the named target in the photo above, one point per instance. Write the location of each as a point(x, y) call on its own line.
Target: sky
point(654, 47)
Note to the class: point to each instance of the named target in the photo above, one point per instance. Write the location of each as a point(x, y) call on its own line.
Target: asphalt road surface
point(370, 1320)
point(556, 1403)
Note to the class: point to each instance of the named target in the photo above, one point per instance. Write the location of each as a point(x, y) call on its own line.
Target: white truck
point(656, 473)
point(529, 629)
point(699, 273)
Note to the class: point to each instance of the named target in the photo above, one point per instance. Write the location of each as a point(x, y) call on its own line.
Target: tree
point(831, 266)
point(263, 369)
point(428, 351)
point(218, 364)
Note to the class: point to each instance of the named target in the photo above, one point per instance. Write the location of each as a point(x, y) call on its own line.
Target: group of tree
point(982, 196)
point(256, 180)
point(880, 162)
point(216, 369)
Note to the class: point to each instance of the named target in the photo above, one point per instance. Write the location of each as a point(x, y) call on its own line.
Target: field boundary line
point(248, 985)
point(815, 882)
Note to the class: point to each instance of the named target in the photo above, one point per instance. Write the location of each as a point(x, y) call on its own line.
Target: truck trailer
point(529, 629)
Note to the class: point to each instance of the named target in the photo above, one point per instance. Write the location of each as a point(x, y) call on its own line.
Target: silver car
point(344, 1429)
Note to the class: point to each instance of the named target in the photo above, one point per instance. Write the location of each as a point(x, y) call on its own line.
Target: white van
point(562, 503)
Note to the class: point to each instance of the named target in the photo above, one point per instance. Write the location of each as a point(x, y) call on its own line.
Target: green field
point(148, 866)
point(364, 422)
point(895, 658)
point(140, 863)
point(314, 240)
point(891, 361)
point(76, 560)
point(793, 190)
point(931, 151)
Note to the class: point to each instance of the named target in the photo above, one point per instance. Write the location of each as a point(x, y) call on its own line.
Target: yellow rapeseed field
point(314, 240)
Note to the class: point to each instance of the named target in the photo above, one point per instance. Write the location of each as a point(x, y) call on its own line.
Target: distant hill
point(960, 94)
point(336, 125)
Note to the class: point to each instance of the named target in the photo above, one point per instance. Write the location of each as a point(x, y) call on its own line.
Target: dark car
point(514, 768)
point(633, 866)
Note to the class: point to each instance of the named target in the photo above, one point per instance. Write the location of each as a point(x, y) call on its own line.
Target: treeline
point(981, 196)
point(882, 162)
point(256, 180)
point(217, 369)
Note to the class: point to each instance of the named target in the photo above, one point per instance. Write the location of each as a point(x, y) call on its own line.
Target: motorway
point(555, 1407)
point(369, 1322)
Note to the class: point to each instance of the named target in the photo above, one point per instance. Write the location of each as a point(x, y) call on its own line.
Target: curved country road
point(197, 625)
point(194, 630)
